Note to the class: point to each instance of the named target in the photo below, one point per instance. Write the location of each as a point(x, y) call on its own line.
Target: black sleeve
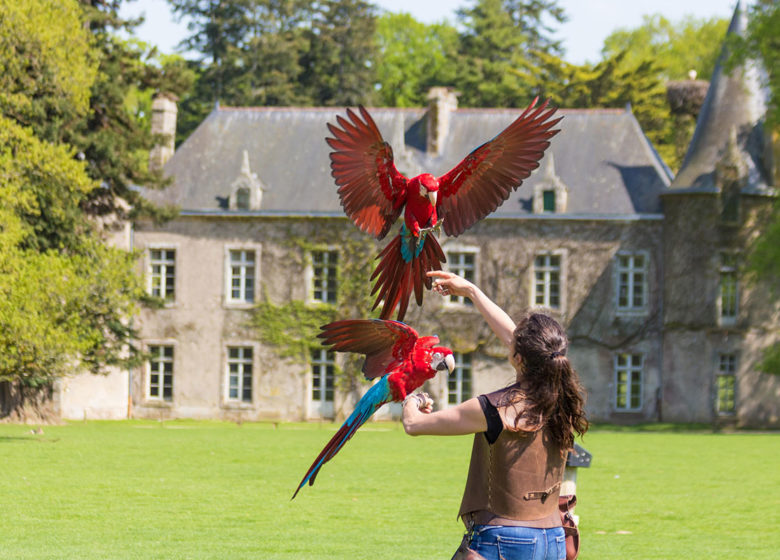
point(494, 423)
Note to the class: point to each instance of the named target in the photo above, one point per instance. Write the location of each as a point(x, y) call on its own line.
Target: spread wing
point(371, 189)
point(487, 176)
point(385, 343)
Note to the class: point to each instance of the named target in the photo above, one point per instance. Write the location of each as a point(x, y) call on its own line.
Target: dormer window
point(246, 192)
point(548, 201)
point(242, 199)
point(550, 193)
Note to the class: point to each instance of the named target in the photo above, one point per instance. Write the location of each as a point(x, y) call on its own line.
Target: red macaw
point(373, 193)
point(396, 354)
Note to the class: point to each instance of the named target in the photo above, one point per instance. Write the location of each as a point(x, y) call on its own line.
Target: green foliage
point(500, 51)
point(763, 266)
point(278, 52)
point(50, 184)
point(65, 297)
point(413, 57)
point(340, 63)
point(115, 138)
point(291, 329)
point(46, 64)
point(674, 47)
point(762, 43)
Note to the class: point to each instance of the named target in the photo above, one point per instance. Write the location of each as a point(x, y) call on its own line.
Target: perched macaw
point(396, 354)
point(373, 193)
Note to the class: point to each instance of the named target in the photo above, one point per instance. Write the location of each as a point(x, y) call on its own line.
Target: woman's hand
point(447, 283)
point(421, 402)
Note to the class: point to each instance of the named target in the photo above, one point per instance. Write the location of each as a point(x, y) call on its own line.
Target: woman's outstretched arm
point(465, 418)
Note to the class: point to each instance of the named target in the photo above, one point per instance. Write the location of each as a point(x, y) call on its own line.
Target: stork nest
point(686, 97)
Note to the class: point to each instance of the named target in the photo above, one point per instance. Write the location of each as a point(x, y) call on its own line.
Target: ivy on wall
point(291, 328)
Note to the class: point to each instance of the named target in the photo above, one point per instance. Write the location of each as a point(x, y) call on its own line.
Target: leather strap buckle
point(542, 494)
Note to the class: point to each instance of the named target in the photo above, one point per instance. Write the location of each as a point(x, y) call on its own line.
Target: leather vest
point(517, 478)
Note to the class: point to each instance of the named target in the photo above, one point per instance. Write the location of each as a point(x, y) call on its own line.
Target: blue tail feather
point(375, 397)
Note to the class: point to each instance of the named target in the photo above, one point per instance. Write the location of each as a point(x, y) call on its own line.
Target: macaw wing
point(487, 176)
point(384, 343)
point(371, 189)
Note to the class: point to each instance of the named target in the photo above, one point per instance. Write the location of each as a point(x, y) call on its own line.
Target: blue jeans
point(496, 542)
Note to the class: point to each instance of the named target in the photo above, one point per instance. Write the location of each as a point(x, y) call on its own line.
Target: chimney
point(163, 123)
point(443, 101)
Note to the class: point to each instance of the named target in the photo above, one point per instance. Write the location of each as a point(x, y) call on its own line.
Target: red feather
point(486, 177)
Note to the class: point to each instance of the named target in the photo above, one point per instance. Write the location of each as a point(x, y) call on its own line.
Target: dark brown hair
point(549, 383)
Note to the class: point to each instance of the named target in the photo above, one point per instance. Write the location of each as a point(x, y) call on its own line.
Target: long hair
point(549, 383)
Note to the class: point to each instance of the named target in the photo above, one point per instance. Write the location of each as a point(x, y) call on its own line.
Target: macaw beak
point(449, 361)
point(432, 196)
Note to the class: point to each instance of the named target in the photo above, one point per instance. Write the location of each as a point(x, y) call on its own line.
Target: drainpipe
point(130, 368)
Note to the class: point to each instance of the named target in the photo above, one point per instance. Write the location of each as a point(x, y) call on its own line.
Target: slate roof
point(735, 103)
point(602, 156)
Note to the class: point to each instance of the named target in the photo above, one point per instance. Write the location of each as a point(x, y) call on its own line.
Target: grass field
point(215, 490)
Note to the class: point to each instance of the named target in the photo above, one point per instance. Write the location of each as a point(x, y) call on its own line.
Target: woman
point(523, 433)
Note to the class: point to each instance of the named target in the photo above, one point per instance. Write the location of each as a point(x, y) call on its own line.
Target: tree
point(675, 47)
point(65, 297)
point(340, 63)
point(115, 137)
point(500, 50)
point(413, 57)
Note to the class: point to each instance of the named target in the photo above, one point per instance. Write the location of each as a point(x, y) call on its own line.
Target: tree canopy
point(675, 47)
point(68, 138)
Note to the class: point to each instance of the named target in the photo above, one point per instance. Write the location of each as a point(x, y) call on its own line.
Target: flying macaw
point(396, 354)
point(373, 193)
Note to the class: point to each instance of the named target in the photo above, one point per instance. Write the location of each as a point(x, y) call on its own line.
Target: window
point(628, 374)
point(728, 296)
point(730, 206)
point(631, 282)
point(162, 273)
point(324, 275)
point(462, 263)
point(239, 379)
point(459, 381)
point(241, 267)
point(547, 281)
point(242, 199)
point(161, 373)
point(725, 383)
point(322, 376)
point(548, 201)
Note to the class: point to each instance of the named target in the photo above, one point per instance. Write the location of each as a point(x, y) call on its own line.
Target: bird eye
point(437, 356)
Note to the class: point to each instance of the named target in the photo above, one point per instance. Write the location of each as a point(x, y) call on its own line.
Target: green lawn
point(216, 490)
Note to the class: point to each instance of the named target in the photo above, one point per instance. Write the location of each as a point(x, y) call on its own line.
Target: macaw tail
point(375, 397)
point(402, 268)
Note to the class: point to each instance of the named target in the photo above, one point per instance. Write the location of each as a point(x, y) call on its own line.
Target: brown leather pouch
point(565, 504)
point(464, 552)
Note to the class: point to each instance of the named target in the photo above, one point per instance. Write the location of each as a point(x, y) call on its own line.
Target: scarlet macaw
point(373, 193)
point(396, 354)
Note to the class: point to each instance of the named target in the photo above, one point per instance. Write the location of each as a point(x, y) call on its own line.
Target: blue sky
point(590, 21)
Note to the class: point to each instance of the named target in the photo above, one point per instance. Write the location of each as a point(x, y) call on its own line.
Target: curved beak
point(449, 360)
point(432, 196)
